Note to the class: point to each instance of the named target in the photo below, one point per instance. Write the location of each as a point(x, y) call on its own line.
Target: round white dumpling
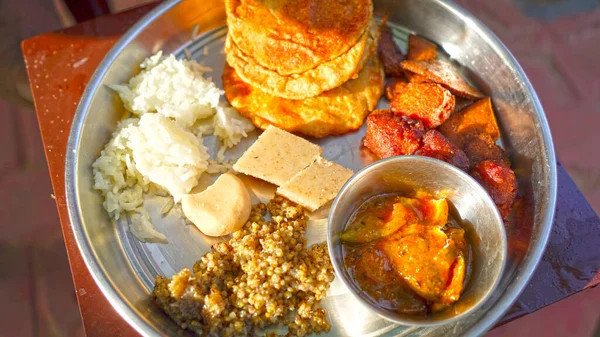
point(221, 209)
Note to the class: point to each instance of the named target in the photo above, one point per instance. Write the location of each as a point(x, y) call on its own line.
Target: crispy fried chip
point(389, 53)
point(428, 102)
point(394, 86)
point(435, 145)
point(389, 135)
point(473, 121)
point(444, 73)
point(499, 181)
point(420, 49)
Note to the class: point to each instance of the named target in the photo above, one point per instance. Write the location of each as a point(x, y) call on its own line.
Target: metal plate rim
point(72, 197)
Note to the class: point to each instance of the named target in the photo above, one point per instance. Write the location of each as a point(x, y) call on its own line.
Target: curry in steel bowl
point(409, 254)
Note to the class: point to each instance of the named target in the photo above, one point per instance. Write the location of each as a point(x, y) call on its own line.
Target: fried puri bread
point(326, 76)
point(291, 37)
point(334, 112)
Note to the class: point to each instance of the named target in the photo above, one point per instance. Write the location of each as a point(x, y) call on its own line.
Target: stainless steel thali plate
point(124, 268)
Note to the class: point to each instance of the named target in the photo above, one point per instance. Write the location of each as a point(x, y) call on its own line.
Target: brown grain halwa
point(264, 275)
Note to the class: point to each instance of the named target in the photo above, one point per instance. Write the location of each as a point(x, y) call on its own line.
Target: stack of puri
point(305, 66)
point(434, 112)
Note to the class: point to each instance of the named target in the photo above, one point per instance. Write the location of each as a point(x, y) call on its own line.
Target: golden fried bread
point(334, 112)
point(325, 76)
point(292, 37)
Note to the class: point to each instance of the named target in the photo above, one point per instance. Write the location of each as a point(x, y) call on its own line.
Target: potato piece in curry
point(384, 215)
point(407, 254)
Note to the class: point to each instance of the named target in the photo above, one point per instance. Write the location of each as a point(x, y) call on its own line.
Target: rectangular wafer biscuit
point(316, 185)
point(277, 156)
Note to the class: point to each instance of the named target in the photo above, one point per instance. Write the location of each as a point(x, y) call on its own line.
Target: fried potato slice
point(420, 49)
point(482, 148)
point(443, 73)
point(435, 145)
point(499, 181)
point(428, 102)
point(391, 56)
point(414, 78)
point(395, 86)
point(389, 135)
point(476, 119)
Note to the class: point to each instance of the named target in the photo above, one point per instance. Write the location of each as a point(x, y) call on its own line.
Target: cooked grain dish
point(264, 275)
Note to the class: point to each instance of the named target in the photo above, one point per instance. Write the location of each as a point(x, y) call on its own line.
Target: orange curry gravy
point(408, 254)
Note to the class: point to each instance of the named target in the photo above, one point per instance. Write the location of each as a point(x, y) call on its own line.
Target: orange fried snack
point(390, 135)
point(420, 49)
point(475, 120)
point(428, 102)
point(482, 148)
point(435, 145)
point(444, 73)
point(389, 53)
point(394, 86)
point(499, 181)
point(414, 78)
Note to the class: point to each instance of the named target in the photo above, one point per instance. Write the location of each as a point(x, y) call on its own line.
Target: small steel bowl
point(404, 174)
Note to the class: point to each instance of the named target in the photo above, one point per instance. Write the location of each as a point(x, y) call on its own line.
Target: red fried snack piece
point(390, 135)
point(499, 181)
point(482, 148)
point(420, 49)
point(428, 102)
point(389, 53)
point(444, 73)
point(394, 86)
point(435, 145)
point(478, 118)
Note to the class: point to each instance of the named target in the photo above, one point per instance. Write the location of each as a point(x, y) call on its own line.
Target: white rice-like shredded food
point(230, 126)
point(171, 87)
point(116, 176)
point(160, 150)
point(167, 154)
